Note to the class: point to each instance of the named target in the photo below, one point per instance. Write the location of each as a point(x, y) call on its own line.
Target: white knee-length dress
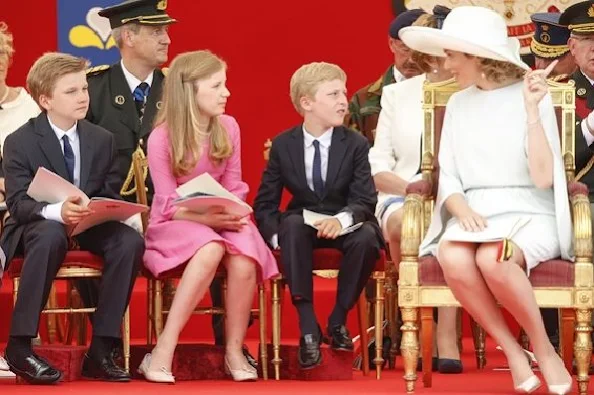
point(483, 156)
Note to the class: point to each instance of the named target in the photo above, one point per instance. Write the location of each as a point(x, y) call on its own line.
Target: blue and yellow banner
point(82, 32)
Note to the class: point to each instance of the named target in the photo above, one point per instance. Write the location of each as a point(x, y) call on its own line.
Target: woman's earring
point(483, 76)
point(435, 71)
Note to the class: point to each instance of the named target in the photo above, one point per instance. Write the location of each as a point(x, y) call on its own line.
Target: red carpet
point(471, 382)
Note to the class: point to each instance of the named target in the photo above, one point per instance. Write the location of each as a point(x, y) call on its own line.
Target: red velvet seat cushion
point(552, 273)
point(330, 258)
point(74, 258)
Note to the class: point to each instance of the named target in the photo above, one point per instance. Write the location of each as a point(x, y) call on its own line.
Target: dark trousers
point(360, 251)
point(45, 245)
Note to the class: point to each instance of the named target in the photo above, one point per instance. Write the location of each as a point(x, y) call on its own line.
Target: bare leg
point(511, 287)
point(394, 229)
point(241, 285)
point(194, 282)
point(447, 334)
point(466, 282)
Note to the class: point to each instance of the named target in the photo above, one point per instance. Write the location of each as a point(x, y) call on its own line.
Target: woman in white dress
point(395, 160)
point(501, 183)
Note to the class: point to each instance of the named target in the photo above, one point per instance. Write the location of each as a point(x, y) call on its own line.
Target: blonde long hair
point(181, 113)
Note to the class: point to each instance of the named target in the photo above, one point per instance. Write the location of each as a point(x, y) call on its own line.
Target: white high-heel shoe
point(243, 374)
point(156, 376)
point(560, 389)
point(528, 386)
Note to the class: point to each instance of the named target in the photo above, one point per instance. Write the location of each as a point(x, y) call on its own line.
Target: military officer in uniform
point(549, 43)
point(364, 107)
point(579, 18)
point(125, 96)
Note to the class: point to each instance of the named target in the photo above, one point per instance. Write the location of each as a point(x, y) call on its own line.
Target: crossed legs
point(478, 281)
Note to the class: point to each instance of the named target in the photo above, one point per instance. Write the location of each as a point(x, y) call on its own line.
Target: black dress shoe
point(251, 360)
point(309, 355)
point(33, 369)
point(105, 370)
point(449, 366)
point(339, 338)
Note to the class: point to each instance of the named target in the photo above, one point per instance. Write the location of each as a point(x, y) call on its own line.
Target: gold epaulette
point(97, 69)
point(559, 78)
point(376, 87)
point(165, 71)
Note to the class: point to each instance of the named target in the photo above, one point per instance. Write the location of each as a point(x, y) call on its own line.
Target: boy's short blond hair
point(48, 69)
point(307, 78)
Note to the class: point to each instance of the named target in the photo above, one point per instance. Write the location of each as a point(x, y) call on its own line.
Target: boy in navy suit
point(60, 140)
point(326, 169)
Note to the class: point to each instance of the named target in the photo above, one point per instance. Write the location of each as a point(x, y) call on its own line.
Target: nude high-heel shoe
point(560, 389)
point(243, 374)
point(528, 386)
point(156, 376)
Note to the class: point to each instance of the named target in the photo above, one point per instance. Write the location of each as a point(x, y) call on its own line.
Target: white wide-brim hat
point(476, 31)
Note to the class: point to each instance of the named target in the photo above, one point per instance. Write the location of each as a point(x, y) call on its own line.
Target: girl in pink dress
point(193, 137)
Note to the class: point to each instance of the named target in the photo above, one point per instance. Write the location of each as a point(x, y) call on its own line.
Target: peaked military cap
point(550, 37)
point(144, 12)
point(579, 18)
point(404, 19)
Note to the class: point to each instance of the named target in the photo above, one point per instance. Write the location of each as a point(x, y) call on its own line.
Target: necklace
point(5, 95)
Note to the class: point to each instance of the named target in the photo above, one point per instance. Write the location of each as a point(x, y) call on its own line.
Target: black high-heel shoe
point(449, 366)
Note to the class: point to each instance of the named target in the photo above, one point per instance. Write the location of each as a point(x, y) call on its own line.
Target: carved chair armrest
point(582, 221)
point(412, 231)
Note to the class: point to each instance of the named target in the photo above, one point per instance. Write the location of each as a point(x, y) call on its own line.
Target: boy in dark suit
point(60, 140)
point(326, 169)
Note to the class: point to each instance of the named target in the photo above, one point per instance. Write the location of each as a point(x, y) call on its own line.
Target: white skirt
point(534, 234)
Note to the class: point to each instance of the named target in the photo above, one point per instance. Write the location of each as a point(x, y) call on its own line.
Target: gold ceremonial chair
point(155, 307)
point(557, 283)
point(77, 265)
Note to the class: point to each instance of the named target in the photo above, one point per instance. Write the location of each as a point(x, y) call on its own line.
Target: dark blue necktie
point(317, 170)
point(140, 94)
point(68, 158)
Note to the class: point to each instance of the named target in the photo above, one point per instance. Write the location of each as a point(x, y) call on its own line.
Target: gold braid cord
point(127, 190)
point(586, 169)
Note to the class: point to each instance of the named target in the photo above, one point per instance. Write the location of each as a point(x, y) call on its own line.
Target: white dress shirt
point(345, 219)
point(54, 211)
point(132, 81)
point(398, 76)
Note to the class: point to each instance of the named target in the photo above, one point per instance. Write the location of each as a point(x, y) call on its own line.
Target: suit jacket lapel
point(335, 157)
point(297, 155)
point(86, 153)
point(51, 147)
point(122, 99)
point(584, 88)
point(153, 103)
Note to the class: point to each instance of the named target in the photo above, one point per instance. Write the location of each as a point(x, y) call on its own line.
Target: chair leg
point(15, 289)
point(479, 338)
point(392, 312)
point(149, 311)
point(276, 326)
point(262, 320)
point(363, 315)
point(583, 348)
point(427, 344)
point(459, 329)
point(379, 320)
point(409, 347)
point(158, 306)
point(566, 335)
point(126, 339)
point(52, 303)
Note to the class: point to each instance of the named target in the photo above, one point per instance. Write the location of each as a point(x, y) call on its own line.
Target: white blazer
point(397, 144)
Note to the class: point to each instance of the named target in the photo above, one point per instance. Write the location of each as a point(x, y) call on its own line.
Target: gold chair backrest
point(436, 96)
